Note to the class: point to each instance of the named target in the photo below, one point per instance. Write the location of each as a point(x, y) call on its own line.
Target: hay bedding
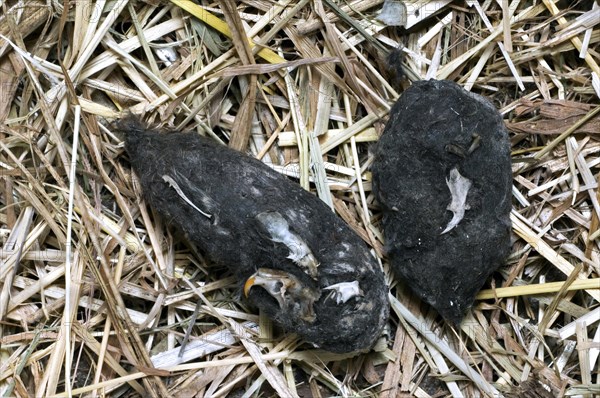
point(95, 283)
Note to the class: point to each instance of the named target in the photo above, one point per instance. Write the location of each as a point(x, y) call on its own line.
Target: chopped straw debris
point(97, 291)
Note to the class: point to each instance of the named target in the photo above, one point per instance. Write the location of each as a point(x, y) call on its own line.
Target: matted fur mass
point(215, 195)
point(443, 178)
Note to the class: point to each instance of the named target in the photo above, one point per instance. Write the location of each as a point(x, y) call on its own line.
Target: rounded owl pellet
point(442, 174)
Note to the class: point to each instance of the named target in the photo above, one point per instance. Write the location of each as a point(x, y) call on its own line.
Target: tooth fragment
point(248, 285)
point(344, 291)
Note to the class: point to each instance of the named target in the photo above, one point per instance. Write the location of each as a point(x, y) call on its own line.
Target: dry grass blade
point(26, 16)
point(97, 291)
point(533, 289)
point(240, 131)
point(442, 347)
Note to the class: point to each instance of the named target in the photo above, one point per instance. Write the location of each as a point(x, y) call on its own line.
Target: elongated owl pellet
point(294, 257)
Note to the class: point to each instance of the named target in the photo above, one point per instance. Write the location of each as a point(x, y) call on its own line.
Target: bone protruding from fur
point(344, 291)
point(279, 229)
point(173, 184)
point(459, 188)
point(286, 289)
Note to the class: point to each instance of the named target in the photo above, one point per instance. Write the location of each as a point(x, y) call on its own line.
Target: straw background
point(97, 291)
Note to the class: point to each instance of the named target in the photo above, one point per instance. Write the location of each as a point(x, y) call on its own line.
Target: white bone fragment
point(173, 184)
point(280, 232)
point(459, 188)
point(344, 291)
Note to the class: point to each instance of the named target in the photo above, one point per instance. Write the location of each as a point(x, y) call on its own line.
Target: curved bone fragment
point(344, 291)
point(173, 184)
point(459, 188)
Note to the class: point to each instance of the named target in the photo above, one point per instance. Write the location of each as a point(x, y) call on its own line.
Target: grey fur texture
point(221, 199)
point(442, 175)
